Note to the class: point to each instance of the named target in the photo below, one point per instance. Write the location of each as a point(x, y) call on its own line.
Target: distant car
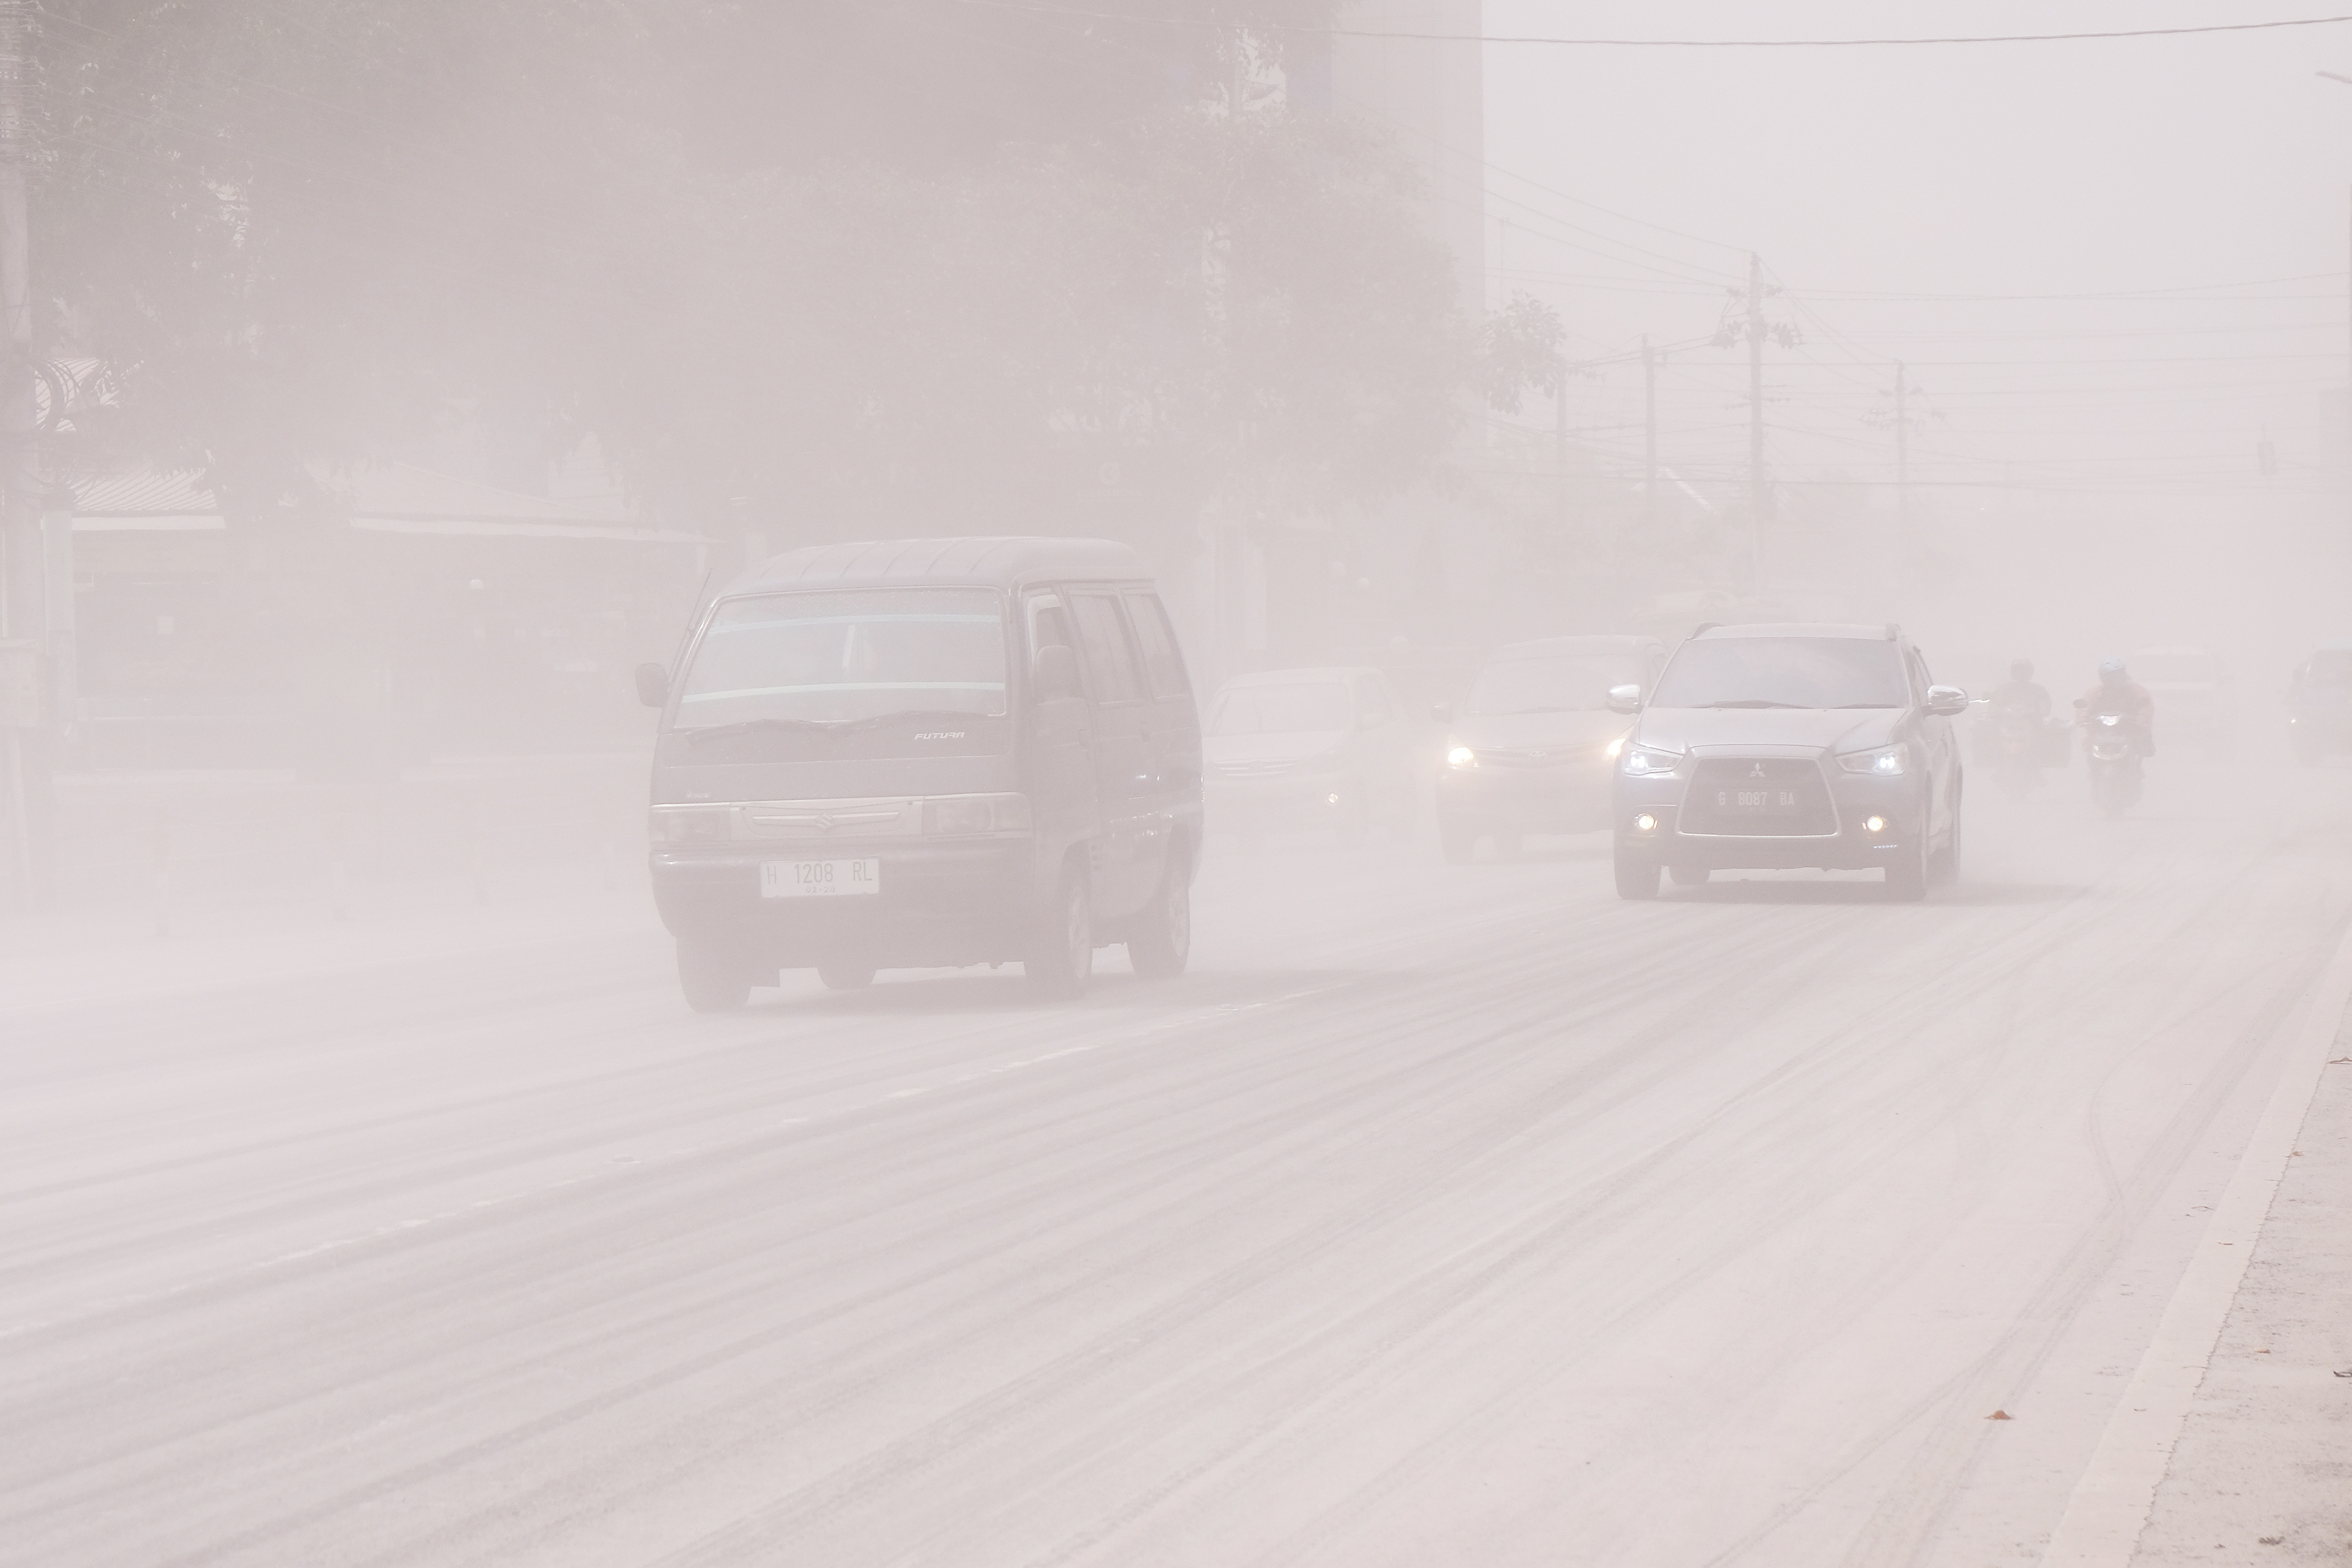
point(2319, 703)
point(2196, 699)
point(1529, 749)
point(1790, 747)
point(1321, 748)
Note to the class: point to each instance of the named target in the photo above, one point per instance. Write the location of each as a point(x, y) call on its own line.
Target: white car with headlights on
point(1792, 746)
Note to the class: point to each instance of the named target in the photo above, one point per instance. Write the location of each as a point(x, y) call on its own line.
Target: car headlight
point(1616, 748)
point(690, 824)
point(1885, 762)
point(1650, 763)
point(1458, 755)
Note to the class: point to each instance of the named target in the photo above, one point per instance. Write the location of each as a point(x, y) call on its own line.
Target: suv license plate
point(819, 879)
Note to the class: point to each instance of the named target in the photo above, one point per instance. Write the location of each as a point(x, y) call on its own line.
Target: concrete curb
point(2109, 1507)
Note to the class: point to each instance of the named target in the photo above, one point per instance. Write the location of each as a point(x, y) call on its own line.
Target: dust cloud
point(903, 780)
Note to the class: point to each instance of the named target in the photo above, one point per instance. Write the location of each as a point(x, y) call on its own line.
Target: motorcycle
point(2016, 750)
point(2114, 762)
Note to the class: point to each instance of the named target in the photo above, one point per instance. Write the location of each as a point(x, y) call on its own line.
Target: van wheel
point(1637, 874)
point(1160, 942)
point(712, 979)
point(1060, 956)
point(845, 976)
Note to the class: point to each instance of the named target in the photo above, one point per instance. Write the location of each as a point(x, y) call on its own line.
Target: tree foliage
point(899, 264)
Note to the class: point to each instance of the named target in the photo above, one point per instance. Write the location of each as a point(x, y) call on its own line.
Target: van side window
point(1161, 661)
point(1049, 624)
point(1110, 657)
point(1371, 700)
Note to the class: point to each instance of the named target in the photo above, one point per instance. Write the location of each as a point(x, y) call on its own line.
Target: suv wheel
point(1160, 943)
point(1060, 956)
point(1637, 874)
point(1689, 876)
point(1906, 874)
point(1459, 841)
point(712, 979)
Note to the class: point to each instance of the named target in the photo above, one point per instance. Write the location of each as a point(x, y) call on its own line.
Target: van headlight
point(1458, 755)
point(690, 824)
point(1650, 763)
point(1882, 762)
point(976, 813)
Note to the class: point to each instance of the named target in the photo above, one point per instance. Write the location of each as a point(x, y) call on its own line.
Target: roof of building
point(993, 563)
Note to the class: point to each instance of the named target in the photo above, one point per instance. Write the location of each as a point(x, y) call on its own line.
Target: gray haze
point(970, 781)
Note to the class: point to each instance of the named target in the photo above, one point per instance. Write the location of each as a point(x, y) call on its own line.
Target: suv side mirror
point(1054, 672)
point(1626, 699)
point(653, 685)
point(1946, 700)
point(1443, 712)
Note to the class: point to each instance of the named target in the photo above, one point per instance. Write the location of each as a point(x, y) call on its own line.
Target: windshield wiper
point(1752, 703)
point(826, 726)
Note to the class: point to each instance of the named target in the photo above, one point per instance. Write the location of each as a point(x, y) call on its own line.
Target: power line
point(1661, 43)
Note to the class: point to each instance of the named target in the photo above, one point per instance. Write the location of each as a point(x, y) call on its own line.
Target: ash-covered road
point(1442, 1215)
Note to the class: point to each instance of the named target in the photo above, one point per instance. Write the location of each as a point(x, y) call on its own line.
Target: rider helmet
point(2112, 671)
point(2020, 669)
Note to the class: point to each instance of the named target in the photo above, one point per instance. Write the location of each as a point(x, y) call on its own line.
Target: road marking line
point(2111, 1502)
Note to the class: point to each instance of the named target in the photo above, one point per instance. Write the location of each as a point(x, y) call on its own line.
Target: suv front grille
point(1758, 797)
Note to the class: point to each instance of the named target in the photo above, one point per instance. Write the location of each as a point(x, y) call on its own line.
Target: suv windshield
point(1783, 672)
point(846, 654)
point(1286, 709)
point(1550, 683)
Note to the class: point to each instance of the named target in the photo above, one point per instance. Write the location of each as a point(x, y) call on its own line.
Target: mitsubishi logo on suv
point(1756, 770)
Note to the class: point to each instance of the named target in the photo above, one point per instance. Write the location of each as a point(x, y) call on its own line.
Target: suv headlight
point(1883, 761)
point(1458, 755)
point(690, 824)
point(1650, 763)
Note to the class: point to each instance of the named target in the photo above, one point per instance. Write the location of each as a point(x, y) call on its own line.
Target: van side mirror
point(653, 685)
point(1054, 672)
point(1947, 701)
point(1443, 712)
point(1626, 699)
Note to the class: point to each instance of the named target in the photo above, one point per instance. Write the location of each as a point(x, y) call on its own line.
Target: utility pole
point(1759, 492)
point(23, 578)
point(1902, 462)
point(1649, 434)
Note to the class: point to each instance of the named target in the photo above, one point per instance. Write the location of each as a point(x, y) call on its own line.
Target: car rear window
point(1783, 672)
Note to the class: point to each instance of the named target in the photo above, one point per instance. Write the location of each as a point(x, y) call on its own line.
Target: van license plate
point(819, 879)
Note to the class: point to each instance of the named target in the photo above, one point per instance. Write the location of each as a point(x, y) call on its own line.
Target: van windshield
point(1551, 682)
point(1783, 672)
point(846, 654)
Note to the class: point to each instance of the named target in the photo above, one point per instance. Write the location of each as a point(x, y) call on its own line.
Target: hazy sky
point(2196, 185)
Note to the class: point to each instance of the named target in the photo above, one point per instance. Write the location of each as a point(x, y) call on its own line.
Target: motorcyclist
point(2020, 693)
point(2117, 692)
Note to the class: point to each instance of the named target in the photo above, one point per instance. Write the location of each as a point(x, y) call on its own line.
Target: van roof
point(1303, 673)
point(1004, 563)
point(1803, 629)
